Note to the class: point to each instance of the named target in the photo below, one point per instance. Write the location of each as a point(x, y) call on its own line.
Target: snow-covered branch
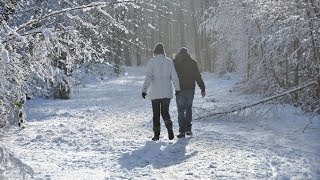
point(88, 6)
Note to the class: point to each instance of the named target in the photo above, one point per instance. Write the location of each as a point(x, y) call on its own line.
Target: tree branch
point(91, 5)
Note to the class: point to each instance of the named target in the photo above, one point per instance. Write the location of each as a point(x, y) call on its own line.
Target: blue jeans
point(184, 103)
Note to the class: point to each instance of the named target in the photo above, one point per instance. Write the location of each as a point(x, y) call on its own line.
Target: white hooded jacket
point(160, 73)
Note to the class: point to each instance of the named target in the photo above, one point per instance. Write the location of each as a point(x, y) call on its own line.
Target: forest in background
point(273, 45)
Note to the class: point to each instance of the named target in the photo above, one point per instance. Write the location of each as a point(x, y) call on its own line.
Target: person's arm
point(148, 78)
point(199, 79)
point(174, 78)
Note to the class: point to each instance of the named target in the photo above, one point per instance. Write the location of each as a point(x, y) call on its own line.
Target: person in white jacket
point(158, 85)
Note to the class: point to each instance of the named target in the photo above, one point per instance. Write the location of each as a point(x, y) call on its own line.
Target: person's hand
point(203, 94)
point(144, 95)
point(178, 92)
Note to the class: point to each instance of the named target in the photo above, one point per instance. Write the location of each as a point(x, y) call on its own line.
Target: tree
point(37, 56)
point(273, 44)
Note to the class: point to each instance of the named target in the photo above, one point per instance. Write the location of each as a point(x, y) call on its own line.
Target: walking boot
point(189, 133)
point(168, 124)
point(170, 134)
point(156, 136)
point(181, 135)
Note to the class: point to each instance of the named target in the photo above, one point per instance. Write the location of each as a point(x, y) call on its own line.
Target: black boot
point(169, 127)
point(170, 134)
point(181, 135)
point(156, 136)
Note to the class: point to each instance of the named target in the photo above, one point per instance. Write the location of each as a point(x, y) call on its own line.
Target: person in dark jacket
point(188, 74)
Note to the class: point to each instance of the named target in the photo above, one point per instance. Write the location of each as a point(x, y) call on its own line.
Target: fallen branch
point(260, 102)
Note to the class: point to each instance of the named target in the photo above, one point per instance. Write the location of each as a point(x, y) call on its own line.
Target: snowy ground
point(104, 132)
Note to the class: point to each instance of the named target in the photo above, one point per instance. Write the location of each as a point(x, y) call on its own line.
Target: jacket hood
point(182, 57)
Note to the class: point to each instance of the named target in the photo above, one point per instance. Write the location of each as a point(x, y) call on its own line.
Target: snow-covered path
point(105, 130)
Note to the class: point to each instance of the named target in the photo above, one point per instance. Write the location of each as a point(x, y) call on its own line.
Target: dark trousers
point(184, 103)
point(161, 106)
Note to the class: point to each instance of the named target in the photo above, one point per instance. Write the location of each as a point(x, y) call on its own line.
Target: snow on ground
point(105, 131)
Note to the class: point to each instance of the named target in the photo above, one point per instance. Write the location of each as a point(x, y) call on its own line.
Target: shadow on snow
point(157, 154)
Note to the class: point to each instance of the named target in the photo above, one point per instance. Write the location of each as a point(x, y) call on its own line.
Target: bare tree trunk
point(170, 45)
point(136, 35)
point(207, 56)
point(147, 47)
point(182, 23)
point(138, 56)
point(160, 26)
point(287, 71)
point(296, 69)
point(207, 59)
point(318, 88)
point(127, 55)
point(195, 31)
point(153, 34)
point(248, 70)
point(248, 76)
point(167, 34)
point(117, 58)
